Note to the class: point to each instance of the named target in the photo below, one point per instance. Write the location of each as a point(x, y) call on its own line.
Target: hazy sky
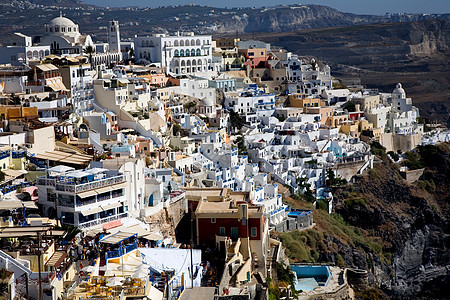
point(375, 7)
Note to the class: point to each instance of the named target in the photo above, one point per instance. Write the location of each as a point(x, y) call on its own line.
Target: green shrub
point(413, 161)
point(340, 260)
point(321, 204)
point(373, 174)
point(378, 149)
point(427, 185)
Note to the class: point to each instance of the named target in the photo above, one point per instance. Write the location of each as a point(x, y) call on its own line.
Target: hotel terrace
point(83, 198)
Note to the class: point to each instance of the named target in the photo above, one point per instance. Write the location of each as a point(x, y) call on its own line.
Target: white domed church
point(63, 37)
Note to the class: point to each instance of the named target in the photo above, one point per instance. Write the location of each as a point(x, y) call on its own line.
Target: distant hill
point(28, 17)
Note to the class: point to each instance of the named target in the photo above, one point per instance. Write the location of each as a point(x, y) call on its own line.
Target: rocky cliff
point(412, 224)
point(398, 232)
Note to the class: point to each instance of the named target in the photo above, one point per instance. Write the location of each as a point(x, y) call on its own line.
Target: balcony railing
point(102, 220)
point(71, 187)
point(121, 251)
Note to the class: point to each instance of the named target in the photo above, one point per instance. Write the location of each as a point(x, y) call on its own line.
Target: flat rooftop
point(198, 293)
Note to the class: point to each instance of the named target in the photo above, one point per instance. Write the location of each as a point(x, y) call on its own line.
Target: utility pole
point(39, 265)
point(192, 246)
point(26, 285)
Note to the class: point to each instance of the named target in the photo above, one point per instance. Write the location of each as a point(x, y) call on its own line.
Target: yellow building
point(13, 112)
point(350, 129)
point(365, 125)
point(297, 100)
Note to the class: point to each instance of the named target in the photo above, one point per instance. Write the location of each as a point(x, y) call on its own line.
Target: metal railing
point(102, 221)
point(121, 251)
point(70, 186)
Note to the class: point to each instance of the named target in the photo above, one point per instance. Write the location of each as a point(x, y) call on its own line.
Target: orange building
point(254, 56)
point(324, 112)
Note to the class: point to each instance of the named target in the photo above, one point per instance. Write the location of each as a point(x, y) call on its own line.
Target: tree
point(90, 51)
point(349, 106)
point(242, 149)
point(235, 120)
point(176, 129)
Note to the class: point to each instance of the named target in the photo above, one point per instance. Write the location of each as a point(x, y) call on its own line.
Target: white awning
point(111, 206)
point(153, 236)
point(137, 228)
point(103, 190)
point(118, 186)
point(91, 211)
point(14, 173)
point(87, 194)
point(15, 204)
point(117, 237)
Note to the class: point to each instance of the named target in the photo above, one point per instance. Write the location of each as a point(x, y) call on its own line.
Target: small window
point(222, 231)
point(213, 220)
point(254, 232)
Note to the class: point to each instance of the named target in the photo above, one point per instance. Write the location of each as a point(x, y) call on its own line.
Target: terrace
point(80, 180)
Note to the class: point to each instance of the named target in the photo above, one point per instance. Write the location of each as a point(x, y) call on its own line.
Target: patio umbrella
point(89, 269)
point(139, 275)
point(125, 268)
point(109, 273)
point(115, 281)
point(142, 267)
point(104, 268)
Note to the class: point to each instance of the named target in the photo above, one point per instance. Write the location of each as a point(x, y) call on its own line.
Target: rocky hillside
point(202, 19)
point(397, 231)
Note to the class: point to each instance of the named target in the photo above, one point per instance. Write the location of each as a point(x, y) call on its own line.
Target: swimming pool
point(310, 277)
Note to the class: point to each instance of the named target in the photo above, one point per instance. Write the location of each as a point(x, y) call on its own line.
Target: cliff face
point(412, 225)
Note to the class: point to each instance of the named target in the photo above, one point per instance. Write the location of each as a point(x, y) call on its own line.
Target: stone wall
point(167, 219)
point(395, 142)
point(291, 224)
point(412, 175)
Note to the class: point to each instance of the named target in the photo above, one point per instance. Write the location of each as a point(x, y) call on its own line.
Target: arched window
point(181, 43)
point(193, 52)
point(186, 43)
point(175, 43)
point(198, 42)
point(181, 52)
point(199, 52)
point(188, 53)
point(177, 53)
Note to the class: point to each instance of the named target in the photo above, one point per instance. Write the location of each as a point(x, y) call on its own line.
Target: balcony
point(121, 251)
point(102, 220)
point(68, 185)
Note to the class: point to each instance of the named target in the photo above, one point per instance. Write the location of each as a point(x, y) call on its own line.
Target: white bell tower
point(114, 37)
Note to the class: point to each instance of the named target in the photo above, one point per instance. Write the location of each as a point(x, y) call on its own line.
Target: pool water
point(310, 277)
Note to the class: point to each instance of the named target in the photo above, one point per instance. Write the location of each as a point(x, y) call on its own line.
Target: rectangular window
point(254, 232)
point(222, 231)
point(213, 220)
